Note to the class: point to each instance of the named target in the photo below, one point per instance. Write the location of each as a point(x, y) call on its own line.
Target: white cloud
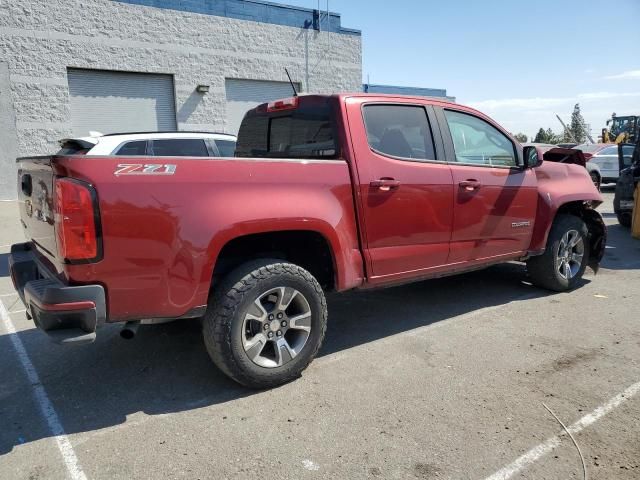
point(529, 103)
point(529, 114)
point(537, 103)
point(630, 75)
point(605, 95)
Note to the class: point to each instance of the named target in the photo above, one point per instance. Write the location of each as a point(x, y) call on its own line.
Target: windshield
point(304, 132)
point(621, 125)
point(590, 147)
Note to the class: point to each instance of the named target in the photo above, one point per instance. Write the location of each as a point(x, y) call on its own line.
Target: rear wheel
point(595, 178)
point(265, 323)
point(564, 261)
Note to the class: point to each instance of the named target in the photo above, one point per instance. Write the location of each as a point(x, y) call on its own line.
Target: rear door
point(405, 187)
point(495, 200)
point(608, 161)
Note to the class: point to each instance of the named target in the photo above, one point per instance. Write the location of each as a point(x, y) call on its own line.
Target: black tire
point(544, 269)
point(595, 178)
point(224, 322)
point(624, 219)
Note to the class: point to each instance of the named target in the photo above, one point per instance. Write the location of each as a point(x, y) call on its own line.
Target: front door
point(495, 200)
point(405, 188)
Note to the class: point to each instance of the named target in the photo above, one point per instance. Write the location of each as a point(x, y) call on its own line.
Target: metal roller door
point(243, 95)
point(111, 102)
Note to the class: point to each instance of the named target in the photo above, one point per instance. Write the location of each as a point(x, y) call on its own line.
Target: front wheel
point(565, 259)
point(265, 323)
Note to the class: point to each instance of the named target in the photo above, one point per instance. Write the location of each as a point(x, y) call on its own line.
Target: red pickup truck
point(325, 193)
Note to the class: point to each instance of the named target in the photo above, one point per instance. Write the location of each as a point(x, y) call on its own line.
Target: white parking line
point(46, 407)
point(554, 442)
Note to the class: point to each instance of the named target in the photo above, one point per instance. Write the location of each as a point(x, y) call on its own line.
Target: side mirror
point(531, 157)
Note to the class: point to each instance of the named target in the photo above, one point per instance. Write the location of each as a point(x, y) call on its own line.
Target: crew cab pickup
point(325, 193)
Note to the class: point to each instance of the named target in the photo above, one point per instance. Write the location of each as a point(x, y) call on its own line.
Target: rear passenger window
point(180, 147)
point(478, 142)
point(227, 148)
point(399, 131)
point(132, 149)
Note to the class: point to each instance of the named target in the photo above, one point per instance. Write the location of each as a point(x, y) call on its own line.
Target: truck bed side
point(162, 233)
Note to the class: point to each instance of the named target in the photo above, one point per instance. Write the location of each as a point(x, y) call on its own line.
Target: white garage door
point(111, 102)
point(243, 95)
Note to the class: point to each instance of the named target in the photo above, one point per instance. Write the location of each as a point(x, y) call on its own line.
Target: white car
point(605, 156)
point(153, 144)
point(592, 168)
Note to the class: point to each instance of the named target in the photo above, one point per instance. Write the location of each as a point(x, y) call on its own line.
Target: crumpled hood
point(565, 155)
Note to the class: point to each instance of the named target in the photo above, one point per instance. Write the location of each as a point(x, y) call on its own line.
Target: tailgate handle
point(26, 184)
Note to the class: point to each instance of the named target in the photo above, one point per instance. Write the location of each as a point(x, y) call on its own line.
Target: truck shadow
point(4, 264)
point(623, 251)
point(166, 369)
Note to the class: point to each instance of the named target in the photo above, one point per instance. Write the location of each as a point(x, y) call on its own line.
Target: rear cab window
point(305, 130)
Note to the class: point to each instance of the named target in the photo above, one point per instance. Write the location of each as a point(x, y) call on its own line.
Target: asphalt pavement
point(439, 379)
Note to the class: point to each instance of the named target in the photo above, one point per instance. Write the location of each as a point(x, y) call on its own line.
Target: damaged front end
point(565, 155)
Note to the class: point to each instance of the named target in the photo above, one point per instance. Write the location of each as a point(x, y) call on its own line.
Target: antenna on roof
point(295, 92)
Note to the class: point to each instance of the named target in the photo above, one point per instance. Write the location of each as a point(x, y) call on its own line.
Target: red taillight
point(286, 104)
point(75, 221)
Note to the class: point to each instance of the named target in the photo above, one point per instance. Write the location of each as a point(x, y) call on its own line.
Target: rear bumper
point(67, 314)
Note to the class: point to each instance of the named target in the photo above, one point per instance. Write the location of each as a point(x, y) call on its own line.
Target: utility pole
point(566, 129)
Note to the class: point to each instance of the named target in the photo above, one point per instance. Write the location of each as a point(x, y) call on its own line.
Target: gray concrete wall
point(39, 40)
point(8, 136)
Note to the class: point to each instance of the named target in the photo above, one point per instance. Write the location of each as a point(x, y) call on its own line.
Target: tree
point(577, 125)
point(554, 137)
point(521, 137)
point(547, 136)
point(541, 136)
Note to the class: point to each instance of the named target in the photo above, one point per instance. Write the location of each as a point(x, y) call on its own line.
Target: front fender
point(561, 187)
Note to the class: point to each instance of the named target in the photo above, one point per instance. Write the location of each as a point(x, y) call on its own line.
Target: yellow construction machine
point(622, 129)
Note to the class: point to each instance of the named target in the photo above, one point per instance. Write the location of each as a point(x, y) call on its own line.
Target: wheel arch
point(583, 209)
point(308, 249)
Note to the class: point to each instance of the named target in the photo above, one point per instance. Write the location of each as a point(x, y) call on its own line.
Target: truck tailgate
point(35, 195)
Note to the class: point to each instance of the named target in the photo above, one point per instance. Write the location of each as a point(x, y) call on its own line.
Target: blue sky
point(520, 62)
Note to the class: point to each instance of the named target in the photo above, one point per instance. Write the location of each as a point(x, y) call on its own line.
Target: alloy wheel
point(276, 327)
point(570, 254)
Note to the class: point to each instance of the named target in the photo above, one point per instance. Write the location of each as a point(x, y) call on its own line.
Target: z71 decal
point(520, 224)
point(148, 169)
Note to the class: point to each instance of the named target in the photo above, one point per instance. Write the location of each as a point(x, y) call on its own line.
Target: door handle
point(385, 184)
point(470, 185)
